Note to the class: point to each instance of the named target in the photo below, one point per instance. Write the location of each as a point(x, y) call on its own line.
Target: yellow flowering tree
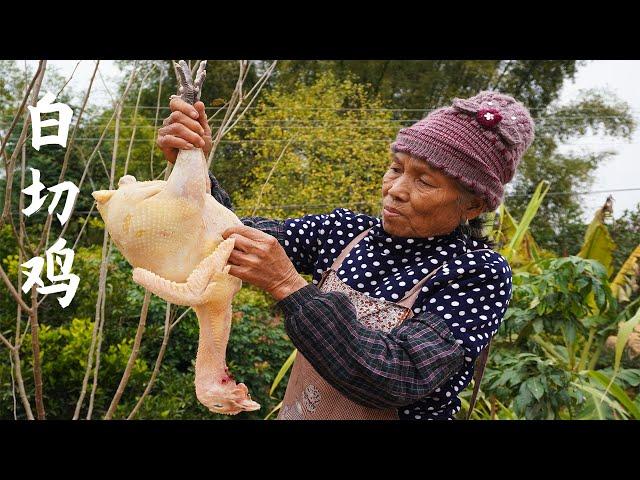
point(314, 148)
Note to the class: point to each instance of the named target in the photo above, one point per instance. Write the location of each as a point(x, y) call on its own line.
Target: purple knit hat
point(479, 141)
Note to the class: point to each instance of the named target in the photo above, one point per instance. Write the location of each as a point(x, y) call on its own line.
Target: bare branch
point(106, 253)
point(23, 229)
point(65, 162)
point(158, 364)
point(132, 358)
point(13, 291)
point(101, 314)
point(21, 389)
point(135, 118)
point(161, 173)
point(25, 249)
point(13, 388)
point(6, 211)
point(104, 165)
point(104, 84)
point(269, 176)
point(258, 87)
point(69, 79)
point(182, 315)
point(86, 221)
point(155, 123)
point(112, 175)
point(6, 342)
point(101, 282)
point(35, 345)
point(232, 117)
point(38, 75)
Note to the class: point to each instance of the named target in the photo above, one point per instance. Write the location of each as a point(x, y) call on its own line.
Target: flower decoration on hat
point(500, 113)
point(488, 117)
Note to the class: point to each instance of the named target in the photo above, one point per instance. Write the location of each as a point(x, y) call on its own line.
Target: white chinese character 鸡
point(63, 257)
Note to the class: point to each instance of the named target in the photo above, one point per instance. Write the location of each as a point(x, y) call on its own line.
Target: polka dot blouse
point(471, 291)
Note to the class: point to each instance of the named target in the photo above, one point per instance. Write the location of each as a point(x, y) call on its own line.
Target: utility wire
point(340, 140)
point(317, 205)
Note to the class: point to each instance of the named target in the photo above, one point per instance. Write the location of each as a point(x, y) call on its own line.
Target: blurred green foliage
point(533, 370)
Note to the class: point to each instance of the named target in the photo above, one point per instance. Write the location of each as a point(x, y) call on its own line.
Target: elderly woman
point(400, 307)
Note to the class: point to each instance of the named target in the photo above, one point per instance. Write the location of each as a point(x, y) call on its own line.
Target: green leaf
point(624, 331)
point(535, 387)
point(598, 397)
point(523, 227)
point(618, 393)
point(630, 376)
point(276, 408)
point(283, 370)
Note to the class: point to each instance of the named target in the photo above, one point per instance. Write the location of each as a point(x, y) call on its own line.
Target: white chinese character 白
point(44, 105)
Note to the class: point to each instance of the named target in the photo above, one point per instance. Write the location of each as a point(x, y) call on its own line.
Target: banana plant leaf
point(625, 281)
point(598, 244)
point(516, 249)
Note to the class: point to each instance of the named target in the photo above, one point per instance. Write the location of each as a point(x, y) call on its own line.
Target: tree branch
point(23, 135)
point(35, 345)
point(158, 364)
point(132, 358)
point(106, 250)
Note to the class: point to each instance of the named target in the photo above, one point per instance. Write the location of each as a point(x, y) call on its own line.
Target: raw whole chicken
point(171, 233)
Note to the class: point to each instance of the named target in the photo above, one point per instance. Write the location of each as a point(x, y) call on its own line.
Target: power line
point(577, 193)
point(333, 140)
point(318, 205)
point(340, 108)
point(301, 123)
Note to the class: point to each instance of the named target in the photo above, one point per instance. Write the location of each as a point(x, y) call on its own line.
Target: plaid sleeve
point(275, 228)
point(219, 193)
point(372, 368)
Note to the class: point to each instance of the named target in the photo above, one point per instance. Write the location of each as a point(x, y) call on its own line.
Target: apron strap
point(343, 254)
point(481, 363)
point(409, 299)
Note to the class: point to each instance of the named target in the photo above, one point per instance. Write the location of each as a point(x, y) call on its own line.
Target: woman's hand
point(258, 258)
point(185, 128)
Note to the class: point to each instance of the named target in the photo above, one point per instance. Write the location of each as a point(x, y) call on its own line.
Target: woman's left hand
point(258, 258)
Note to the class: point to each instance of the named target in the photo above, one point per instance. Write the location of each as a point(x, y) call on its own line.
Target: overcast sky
point(620, 77)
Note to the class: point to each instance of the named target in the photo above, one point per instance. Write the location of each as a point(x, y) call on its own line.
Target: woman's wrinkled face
point(419, 200)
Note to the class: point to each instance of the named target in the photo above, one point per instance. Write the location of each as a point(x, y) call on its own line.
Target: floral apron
point(309, 396)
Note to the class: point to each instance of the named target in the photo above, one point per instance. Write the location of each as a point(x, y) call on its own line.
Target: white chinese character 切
point(37, 201)
point(33, 191)
point(63, 257)
point(72, 193)
point(44, 105)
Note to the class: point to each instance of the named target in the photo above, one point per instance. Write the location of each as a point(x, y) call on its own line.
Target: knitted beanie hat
point(479, 141)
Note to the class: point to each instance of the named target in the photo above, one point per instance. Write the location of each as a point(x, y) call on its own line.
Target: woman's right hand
point(184, 129)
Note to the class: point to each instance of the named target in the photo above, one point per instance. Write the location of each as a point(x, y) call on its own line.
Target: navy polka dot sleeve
point(471, 292)
point(305, 239)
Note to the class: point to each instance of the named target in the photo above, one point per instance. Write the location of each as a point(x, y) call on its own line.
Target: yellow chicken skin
point(171, 233)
